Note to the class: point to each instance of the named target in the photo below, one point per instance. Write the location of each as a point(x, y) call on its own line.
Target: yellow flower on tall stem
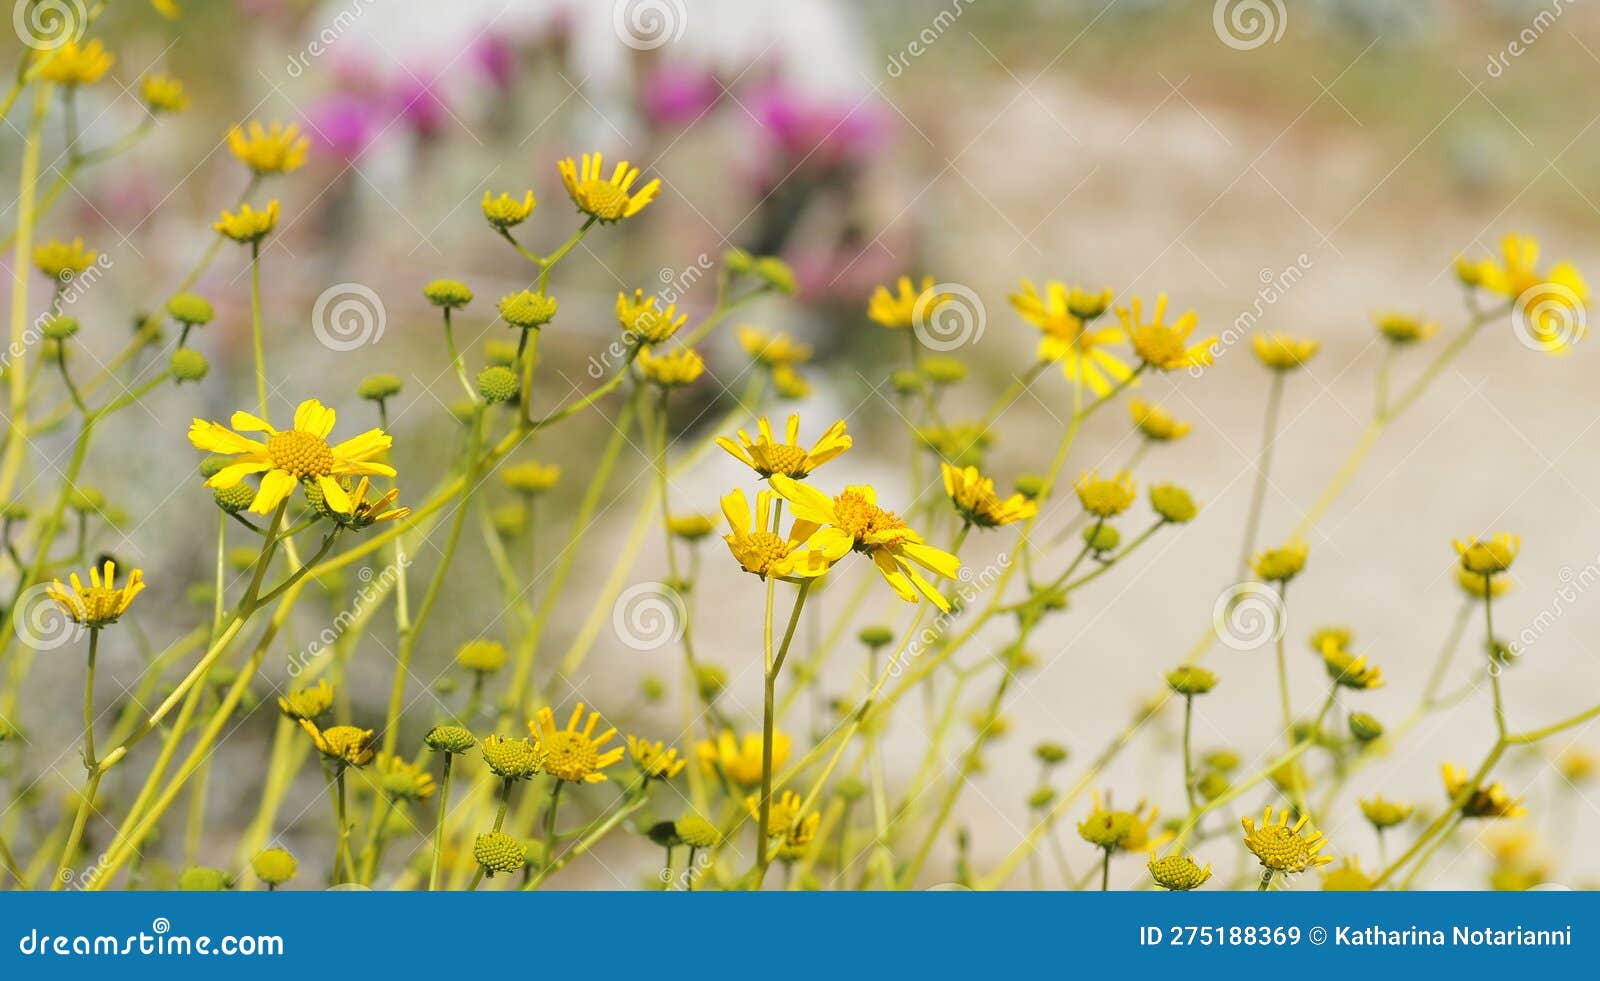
point(1069, 339)
point(291, 456)
point(804, 554)
point(775, 349)
point(902, 308)
point(102, 602)
point(738, 760)
point(74, 64)
point(855, 521)
point(275, 149)
point(1282, 847)
point(574, 754)
point(767, 456)
point(1164, 346)
point(1552, 300)
point(1481, 802)
point(1156, 423)
point(975, 499)
point(605, 199)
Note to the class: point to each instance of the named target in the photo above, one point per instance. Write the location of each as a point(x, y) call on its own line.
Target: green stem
point(1258, 493)
point(438, 828)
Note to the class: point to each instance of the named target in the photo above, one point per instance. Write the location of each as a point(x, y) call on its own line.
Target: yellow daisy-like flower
point(63, 260)
point(574, 754)
point(772, 349)
point(606, 198)
point(1157, 423)
point(275, 149)
point(855, 521)
point(77, 64)
point(784, 821)
point(1404, 328)
point(1281, 564)
point(739, 760)
point(1284, 352)
point(506, 211)
point(290, 456)
point(1488, 558)
point(975, 499)
point(655, 759)
point(1164, 346)
point(1105, 498)
point(1553, 298)
point(167, 8)
point(1179, 873)
point(347, 745)
point(247, 225)
point(642, 322)
point(1282, 847)
point(163, 93)
point(1481, 802)
point(906, 304)
point(1383, 814)
point(766, 456)
point(1348, 670)
point(1577, 764)
point(805, 554)
point(482, 655)
point(674, 369)
point(1069, 340)
point(102, 602)
point(307, 703)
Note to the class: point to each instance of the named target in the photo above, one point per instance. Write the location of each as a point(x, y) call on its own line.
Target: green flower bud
point(187, 308)
point(189, 365)
point(452, 294)
point(376, 388)
point(497, 384)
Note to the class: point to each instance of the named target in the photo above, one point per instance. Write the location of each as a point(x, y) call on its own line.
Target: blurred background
point(1296, 167)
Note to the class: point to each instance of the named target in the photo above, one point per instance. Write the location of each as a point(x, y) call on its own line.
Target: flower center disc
point(603, 199)
point(301, 454)
point(781, 458)
point(861, 518)
point(571, 756)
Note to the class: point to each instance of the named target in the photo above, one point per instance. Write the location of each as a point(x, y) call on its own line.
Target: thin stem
point(1258, 493)
point(438, 828)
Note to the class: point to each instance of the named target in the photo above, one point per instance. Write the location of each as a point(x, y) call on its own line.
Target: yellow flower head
point(1480, 802)
point(512, 759)
point(906, 305)
point(1577, 764)
point(1179, 873)
point(605, 198)
point(506, 211)
point(1383, 814)
point(364, 512)
point(739, 760)
point(76, 64)
point(1282, 847)
point(1488, 558)
point(766, 456)
point(960, 443)
point(307, 703)
point(674, 369)
point(1156, 423)
point(803, 555)
point(530, 478)
point(1284, 352)
point(347, 745)
point(1069, 340)
point(784, 821)
point(574, 754)
point(275, 149)
point(163, 93)
point(247, 225)
point(63, 260)
point(274, 866)
point(403, 780)
point(1125, 830)
point(102, 602)
point(287, 457)
point(1281, 564)
point(1164, 346)
point(1474, 585)
point(645, 324)
point(654, 759)
point(1348, 670)
point(482, 655)
point(789, 384)
point(1405, 328)
point(691, 527)
point(772, 349)
point(975, 499)
point(1105, 498)
point(1552, 299)
point(1348, 877)
point(854, 520)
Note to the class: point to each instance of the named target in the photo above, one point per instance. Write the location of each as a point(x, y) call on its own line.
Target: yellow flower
point(1488, 558)
point(1382, 814)
point(1156, 423)
point(301, 454)
point(167, 8)
point(772, 350)
point(1282, 848)
point(1125, 830)
point(739, 760)
point(674, 369)
point(906, 305)
point(63, 260)
point(691, 527)
point(1348, 877)
point(606, 198)
point(805, 554)
point(961, 443)
point(482, 656)
point(247, 225)
point(1281, 564)
point(1179, 873)
point(307, 703)
point(1105, 498)
point(403, 780)
point(1405, 328)
point(506, 211)
point(530, 478)
point(643, 323)
point(77, 64)
point(274, 866)
point(277, 149)
point(1069, 340)
point(1490, 802)
point(574, 754)
point(655, 759)
point(346, 744)
point(1349, 671)
point(1283, 352)
point(1086, 305)
point(363, 513)
point(102, 602)
point(784, 821)
point(512, 759)
point(1164, 346)
point(1577, 764)
point(789, 384)
point(975, 499)
point(854, 521)
point(1553, 298)
point(1473, 584)
point(163, 93)
point(766, 456)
